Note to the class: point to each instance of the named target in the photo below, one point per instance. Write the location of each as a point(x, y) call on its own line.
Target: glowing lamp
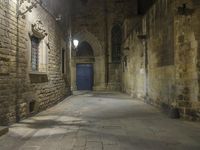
point(75, 42)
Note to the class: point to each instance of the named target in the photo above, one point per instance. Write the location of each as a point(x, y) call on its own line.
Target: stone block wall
point(160, 44)
point(133, 63)
point(187, 35)
point(172, 31)
point(117, 11)
point(19, 86)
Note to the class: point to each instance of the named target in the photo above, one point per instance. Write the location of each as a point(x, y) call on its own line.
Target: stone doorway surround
point(98, 61)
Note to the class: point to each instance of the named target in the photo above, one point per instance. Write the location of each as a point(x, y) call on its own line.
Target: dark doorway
point(84, 76)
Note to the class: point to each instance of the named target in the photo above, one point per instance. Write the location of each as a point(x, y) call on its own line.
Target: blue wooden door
point(84, 76)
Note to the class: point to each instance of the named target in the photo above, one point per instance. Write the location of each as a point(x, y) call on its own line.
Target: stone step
point(3, 130)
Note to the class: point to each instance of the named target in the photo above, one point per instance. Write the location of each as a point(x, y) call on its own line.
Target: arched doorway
point(84, 69)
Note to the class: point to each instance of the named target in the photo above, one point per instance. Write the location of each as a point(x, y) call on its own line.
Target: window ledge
point(38, 77)
point(4, 74)
point(37, 73)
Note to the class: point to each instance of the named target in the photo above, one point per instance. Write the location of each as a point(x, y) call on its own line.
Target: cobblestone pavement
point(102, 121)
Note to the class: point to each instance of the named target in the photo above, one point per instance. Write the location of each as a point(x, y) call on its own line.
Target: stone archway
point(92, 40)
point(98, 60)
point(84, 66)
point(84, 50)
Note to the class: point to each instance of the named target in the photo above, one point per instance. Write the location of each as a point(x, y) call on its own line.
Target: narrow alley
point(102, 121)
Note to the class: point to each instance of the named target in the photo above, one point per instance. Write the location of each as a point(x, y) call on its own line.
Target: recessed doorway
point(84, 76)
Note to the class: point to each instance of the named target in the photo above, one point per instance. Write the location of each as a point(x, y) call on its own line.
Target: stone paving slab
point(102, 121)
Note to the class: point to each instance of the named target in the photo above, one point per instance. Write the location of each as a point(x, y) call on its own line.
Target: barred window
point(35, 42)
point(116, 43)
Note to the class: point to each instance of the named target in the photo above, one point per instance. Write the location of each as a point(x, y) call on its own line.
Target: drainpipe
point(106, 43)
point(70, 45)
point(17, 66)
point(146, 70)
point(145, 43)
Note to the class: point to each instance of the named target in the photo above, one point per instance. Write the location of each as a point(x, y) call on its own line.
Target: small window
point(35, 42)
point(32, 107)
point(125, 63)
point(63, 61)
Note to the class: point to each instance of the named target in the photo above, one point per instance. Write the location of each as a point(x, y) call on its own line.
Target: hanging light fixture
point(75, 42)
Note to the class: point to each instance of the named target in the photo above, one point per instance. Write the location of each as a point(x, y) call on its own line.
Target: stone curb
point(3, 130)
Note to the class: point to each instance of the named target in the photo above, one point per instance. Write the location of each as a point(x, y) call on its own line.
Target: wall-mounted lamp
point(75, 43)
point(59, 17)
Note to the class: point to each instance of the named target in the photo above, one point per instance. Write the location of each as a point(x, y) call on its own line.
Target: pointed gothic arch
point(84, 49)
point(88, 37)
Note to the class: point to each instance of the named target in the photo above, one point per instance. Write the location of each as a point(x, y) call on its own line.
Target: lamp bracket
point(25, 6)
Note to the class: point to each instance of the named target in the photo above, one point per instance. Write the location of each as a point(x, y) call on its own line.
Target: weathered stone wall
point(133, 69)
point(160, 33)
point(117, 12)
point(187, 38)
point(133, 66)
point(17, 89)
point(93, 22)
point(172, 49)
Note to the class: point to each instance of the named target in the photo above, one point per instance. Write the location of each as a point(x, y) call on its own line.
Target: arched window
point(84, 50)
point(116, 43)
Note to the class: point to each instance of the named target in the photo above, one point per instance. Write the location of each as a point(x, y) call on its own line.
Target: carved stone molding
point(38, 30)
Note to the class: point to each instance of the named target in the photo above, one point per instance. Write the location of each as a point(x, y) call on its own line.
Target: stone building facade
point(162, 59)
point(25, 90)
